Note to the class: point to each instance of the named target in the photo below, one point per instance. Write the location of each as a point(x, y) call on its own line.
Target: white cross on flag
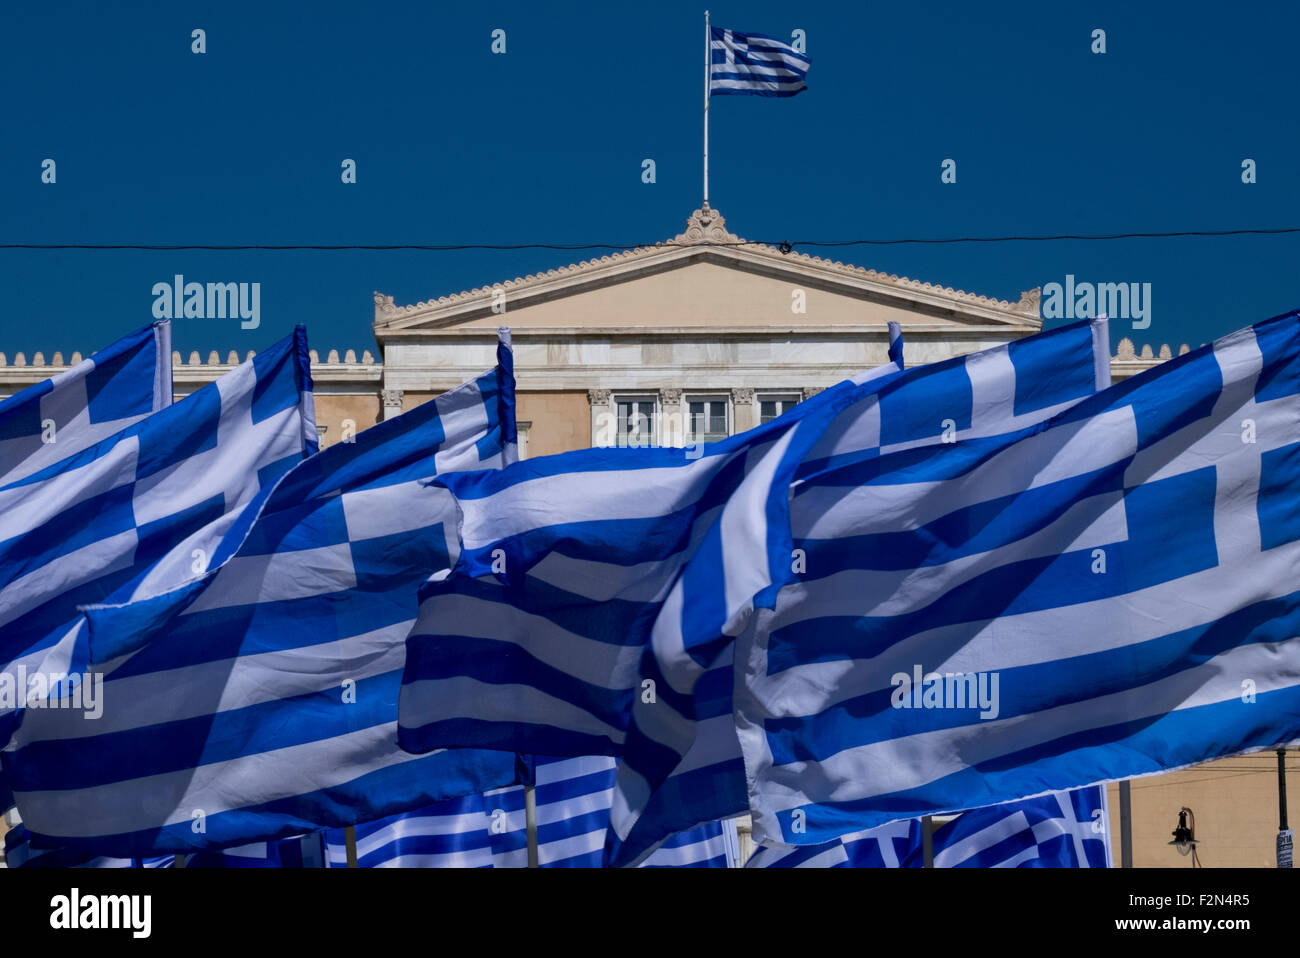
point(755, 65)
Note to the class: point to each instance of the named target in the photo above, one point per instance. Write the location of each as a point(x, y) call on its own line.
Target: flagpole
point(350, 845)
point(1125, 825)
point(530, 824)
point(708, 38)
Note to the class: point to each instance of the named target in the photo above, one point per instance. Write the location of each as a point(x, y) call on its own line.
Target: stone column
point(604, 423)
point(672, 420)
point(392, 403)
point(744, 410)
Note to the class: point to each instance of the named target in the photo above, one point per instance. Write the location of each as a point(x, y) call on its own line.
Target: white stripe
point(1034, 638)
point(171, 695)
point(953, 855)
point(1037, 460)
point(883, 767)
point(585, 497)
point(599, 663)
point(170, 798)
point(390, 510)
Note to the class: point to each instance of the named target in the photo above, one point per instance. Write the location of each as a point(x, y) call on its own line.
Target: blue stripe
point(1024, 690)
point(121, 384)
point(1069, 380)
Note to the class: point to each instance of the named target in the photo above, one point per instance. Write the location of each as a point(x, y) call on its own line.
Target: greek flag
point(754, 65)
point(681, 758)
point(21, 852)
point(573, 797)
point(534, 641)
point(488, 830)
point(263, 692)
point(895, 845)
point(450, 834)
point(100, 396)
point(302, 852)
point(1107, 594)
point(1059, 830)
point(103, 520)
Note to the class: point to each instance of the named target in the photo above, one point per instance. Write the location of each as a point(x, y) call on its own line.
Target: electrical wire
point(785, 246)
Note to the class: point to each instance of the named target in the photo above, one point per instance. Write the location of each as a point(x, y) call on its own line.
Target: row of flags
point(279, 663)
point(1063, 830)
point(1057, 830)
point(572, 800)
point(924, 590)
point(939, 588)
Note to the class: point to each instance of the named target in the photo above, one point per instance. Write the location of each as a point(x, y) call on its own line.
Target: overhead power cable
point(784, 245)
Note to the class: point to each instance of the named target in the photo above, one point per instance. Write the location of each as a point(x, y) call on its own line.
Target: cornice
point(877, 331)
point(705, 236)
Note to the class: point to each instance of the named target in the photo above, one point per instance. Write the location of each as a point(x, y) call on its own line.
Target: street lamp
point(1185, 835)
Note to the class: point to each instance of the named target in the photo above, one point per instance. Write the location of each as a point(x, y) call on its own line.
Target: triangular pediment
point(708, 277)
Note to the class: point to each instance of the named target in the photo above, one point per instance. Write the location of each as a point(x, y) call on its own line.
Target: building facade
point(702, 336)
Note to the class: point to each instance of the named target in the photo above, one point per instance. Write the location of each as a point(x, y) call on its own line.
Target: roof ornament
point(706, 225)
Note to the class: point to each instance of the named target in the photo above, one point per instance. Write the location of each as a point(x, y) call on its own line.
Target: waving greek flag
point(302, 852)
point(1107, 594)
point(22, 852)
point(1059, 830)
point(100, 396)
point(488, 830)
point(895, 845)
point(681, 758)
point(754, 65)
point(263, 693)
point(534, 641)
point(99, 522)
point(450, 834)
point(573, 797)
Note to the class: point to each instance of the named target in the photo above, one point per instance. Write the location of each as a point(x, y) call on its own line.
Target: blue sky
point(243, 144)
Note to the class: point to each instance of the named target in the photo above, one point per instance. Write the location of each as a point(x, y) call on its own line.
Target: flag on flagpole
point(22, 852)
point(533, 641)
point(573, 804)
point(1058, 830)
point(488, 830)
point(893, 845)
point(1076, 602)
point(681, 759)
point(546, 660)
point(99, 396)
point(450, 834)
point(58, 417)
point(264, 691)
point(99, 522)
point(753, 64)
point(285, 853)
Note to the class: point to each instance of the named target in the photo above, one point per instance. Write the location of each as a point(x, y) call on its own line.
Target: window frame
point(618, 399)
point(777, 396)
point(728, 416)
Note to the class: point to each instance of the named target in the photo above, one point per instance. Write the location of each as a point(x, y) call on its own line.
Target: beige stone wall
point(1235, 803)
point(412, 399)
point(717, 295)
point(561, 421)
point(332, 410)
